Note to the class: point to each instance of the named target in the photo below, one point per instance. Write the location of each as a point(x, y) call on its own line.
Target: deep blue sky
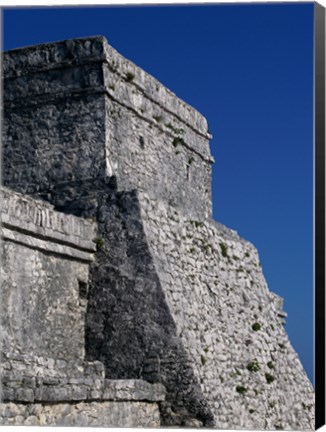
point(249, 70)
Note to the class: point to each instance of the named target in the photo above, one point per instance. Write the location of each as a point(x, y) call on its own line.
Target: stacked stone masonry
point(44, 283)
point(83, 111)
point(138, 309)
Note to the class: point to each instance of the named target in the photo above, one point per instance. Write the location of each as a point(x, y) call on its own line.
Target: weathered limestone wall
point(54, 392)
point(230, 324)
point(129, 325)
point(53, 122)
point(82, 414)
point(44, 287)
point(79, 110)
point(44, 278)
point(185, 303)
point(173, 298)
point(154, 141)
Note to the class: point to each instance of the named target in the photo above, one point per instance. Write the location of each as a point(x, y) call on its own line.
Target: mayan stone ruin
point(123, 302)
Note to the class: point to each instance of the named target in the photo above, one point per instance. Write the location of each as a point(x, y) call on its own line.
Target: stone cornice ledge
point(77, 52)
point(36, 224)
point(85, 389)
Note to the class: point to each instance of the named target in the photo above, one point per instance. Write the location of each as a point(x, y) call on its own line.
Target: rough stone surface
point(173, 313)
point(230, 324)
point(43, 273)
point(112, 413)
point(77, 109)
point(23, 214)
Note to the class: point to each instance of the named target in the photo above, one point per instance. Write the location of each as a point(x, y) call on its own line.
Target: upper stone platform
point(78, 110)
point(92, 51)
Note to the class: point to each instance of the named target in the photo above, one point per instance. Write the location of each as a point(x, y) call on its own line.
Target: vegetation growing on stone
point(130, 76)
point(269, 378)
point(196, 223)
point(241, 389)
point(224, 250)
point(177, 140)
point(99, 242)
point(158, 118)
point(174, 129)
point(253, 366)
point(256, 326)
point(203, 360)
point(270, 364)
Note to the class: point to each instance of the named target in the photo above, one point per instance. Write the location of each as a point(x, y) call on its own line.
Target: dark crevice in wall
point(128, 324)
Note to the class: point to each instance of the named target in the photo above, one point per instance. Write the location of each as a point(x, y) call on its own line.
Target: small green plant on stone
point(240, 389)
point(190, 160)
point(253, 366)
point(196, 223)
point(224, 250)
point(247, 254)
point(269, 378)
point(272, 404)
point(99, 242)
point(112, 86)
point(158, 118)
point(174, 129)
point(279, 426)
point(203, 360)
point(130, 76)
point(177, 140)
point(251, 411)
point(256, 326)
point(270, 364)
point(272, 327)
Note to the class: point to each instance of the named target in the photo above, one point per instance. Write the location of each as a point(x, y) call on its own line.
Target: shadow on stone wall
point(128, 323)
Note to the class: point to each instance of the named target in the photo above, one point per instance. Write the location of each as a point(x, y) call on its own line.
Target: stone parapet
point(36, 224)
point(89, 52)
point(78, 110)
point(46, 391)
